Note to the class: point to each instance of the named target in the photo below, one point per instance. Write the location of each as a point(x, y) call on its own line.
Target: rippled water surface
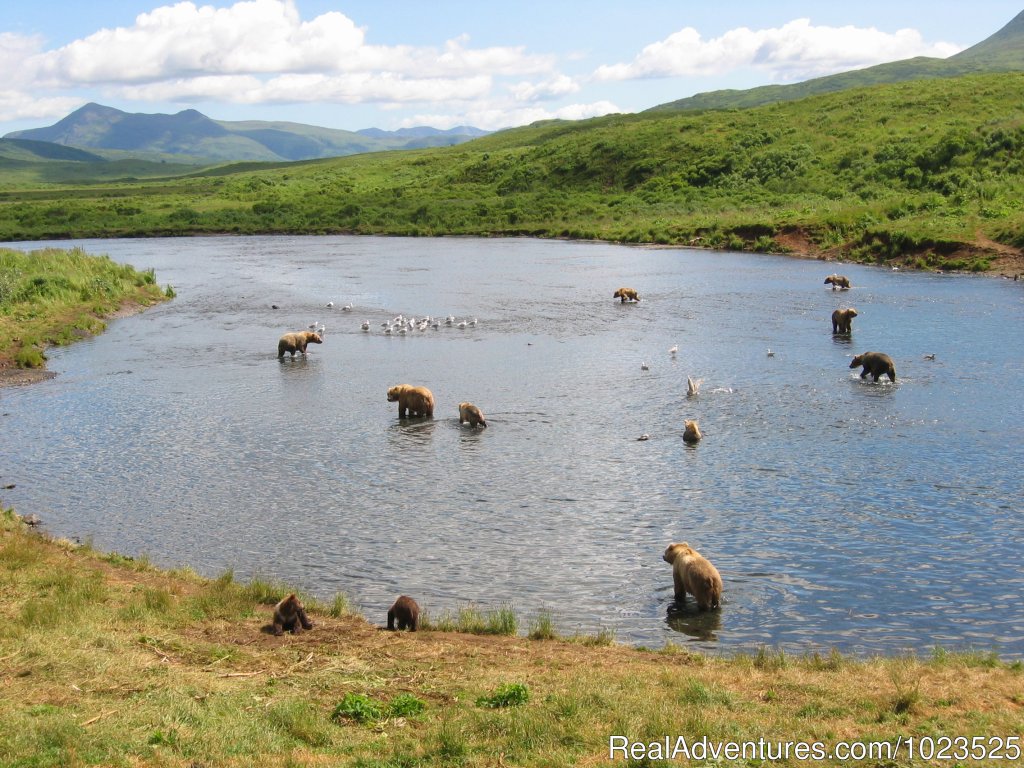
point(841, 513)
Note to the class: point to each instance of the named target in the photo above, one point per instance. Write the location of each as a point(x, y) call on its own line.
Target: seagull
point(329, 304)
point(644, 436)
point(387, 331)
point(435, 325)
point(770, 353)
point(644, 367)
point(473, 321)
point(313, 325)
point(693, 386)
point(462, 324)
point(930, 356)
point(347, 308)
point(673, 349)
point(366, 325)
point(449, 320)
point(321, 329)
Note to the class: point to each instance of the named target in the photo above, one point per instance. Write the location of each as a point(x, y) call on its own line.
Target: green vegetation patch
point(55, 296)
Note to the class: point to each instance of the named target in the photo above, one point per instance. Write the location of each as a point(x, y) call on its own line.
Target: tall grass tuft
point(542, 626)
point(472, 620)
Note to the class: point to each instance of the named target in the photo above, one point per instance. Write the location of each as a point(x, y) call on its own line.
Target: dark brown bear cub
point(290, 616)
point(406, 612)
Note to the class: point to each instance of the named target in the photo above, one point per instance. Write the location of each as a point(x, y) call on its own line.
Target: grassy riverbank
point(55, 296)
point(107, 661)
point(925, 174)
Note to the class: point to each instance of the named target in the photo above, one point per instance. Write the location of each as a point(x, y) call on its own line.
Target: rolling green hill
point(26, 164)
point(1002, 52)
point(929, 173)
point(192, 137)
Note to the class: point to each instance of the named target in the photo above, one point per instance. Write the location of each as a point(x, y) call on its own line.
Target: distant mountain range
point(192, 137)
point(1002, 52)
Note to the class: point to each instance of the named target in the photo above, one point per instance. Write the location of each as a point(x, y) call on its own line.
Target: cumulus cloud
point(551, 88)
point(255, 37)
point(797, 50)
point(262, 51)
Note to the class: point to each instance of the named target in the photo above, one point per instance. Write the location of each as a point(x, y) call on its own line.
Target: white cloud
point(499, 115)
point(262, 52)
point(552, 88)
point(797, 50)
point(254, 37)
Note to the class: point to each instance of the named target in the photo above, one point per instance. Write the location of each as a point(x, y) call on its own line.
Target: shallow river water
point(873, 518)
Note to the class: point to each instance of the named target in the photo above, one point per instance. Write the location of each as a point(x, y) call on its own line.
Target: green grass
point(53, 297)
point(473, 620)
point(912, 172)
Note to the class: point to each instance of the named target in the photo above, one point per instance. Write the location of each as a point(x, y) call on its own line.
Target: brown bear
point(692, 573)
point(626, 294)
point(691, 432)
point(838, 281)
point(842, 320)
point(406, 612)
point(297, 341)
point(412, 401)
point(875, 363)
point(290, 616)
point(469, 412)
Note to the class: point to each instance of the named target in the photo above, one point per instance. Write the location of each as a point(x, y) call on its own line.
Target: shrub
point(508, 695)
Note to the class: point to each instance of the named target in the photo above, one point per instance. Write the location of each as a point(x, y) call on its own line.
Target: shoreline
point(111, 657)
point(13, 376)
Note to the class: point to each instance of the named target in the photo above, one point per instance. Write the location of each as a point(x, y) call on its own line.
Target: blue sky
point(395, 64)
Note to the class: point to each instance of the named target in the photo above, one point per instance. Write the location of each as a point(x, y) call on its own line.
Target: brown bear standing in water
point(691, 432)
point(842, 320)
point(414, 401)
point(469, 412)
point(626, 294)
point(406, 612)
point(875, 363)
point(692, 573)
point(290, 616)
point(297, 341)
point(838, 281)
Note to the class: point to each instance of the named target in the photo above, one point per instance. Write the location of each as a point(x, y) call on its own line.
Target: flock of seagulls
point(402, 325)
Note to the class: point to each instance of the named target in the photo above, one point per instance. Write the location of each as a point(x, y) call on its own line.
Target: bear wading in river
point(412, 401)
point(693, 573)
point(297, 341)
point(842, 320)
point(875, 363)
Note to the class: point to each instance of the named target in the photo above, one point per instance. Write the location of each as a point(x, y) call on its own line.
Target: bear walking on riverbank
point(405, 612)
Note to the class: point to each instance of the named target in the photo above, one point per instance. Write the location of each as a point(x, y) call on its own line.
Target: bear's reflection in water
point(690, 620)
point(415, 432)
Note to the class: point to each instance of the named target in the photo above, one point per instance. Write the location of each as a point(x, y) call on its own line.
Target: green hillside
point(1002, 52)
point(25, 164)
point(927, 172)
